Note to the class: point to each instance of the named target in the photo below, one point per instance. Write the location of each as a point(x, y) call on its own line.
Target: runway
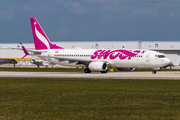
point(173, 75)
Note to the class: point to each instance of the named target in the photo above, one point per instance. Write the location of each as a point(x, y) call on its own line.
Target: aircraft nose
point(167, 61)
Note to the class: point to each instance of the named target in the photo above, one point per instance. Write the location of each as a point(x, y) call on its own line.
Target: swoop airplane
point(93, 59)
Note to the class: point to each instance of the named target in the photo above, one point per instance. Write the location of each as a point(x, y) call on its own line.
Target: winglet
point(25, 51)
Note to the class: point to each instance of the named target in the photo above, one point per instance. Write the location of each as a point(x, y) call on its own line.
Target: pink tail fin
point(41, 41)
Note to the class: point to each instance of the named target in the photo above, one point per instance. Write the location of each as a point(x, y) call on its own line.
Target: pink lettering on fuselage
point(113, 54)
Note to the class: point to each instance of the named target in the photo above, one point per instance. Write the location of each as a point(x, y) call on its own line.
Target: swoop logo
point(42, 38)
point(113, 54)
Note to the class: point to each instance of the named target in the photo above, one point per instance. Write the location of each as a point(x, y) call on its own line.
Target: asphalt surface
point(173, 75)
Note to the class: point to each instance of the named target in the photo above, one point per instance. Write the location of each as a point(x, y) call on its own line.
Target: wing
point(71, 60)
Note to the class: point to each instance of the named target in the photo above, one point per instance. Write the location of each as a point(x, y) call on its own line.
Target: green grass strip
point(66, 98)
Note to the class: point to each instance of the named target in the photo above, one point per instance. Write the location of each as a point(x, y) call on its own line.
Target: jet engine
point(98, 66)
point(125, 69)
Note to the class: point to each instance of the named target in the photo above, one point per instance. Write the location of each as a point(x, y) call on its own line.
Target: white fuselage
point(121, 58)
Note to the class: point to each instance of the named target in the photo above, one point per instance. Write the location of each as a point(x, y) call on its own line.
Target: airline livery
point(94, 59)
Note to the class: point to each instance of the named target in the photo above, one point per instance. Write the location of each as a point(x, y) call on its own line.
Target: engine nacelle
point(125, 69)
point(98, 66)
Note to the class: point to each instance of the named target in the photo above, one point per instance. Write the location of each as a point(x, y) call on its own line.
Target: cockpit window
point(160, 56)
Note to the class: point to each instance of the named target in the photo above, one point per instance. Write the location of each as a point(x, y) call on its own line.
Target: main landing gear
point(87, 70)
point(154, 72)
point(104, 71)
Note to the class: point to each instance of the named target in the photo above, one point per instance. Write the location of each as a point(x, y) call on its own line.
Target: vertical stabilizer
point(41, 41)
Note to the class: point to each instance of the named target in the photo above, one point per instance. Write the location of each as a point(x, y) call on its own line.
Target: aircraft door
point(148, 57)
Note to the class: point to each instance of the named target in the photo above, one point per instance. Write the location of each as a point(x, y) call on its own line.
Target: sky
point(91, 20)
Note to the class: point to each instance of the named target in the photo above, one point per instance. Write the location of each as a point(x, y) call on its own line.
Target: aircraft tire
point(86, 70)
point(104, 71)
point(153, 72)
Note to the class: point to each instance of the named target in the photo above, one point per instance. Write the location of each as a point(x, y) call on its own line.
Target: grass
point(22, 69)
point(26, 69)
point(58, 98)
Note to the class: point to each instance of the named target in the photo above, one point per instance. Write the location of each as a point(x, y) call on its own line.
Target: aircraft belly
point(127, 63)
point(67, 63)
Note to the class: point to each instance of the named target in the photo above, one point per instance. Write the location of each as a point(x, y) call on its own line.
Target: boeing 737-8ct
point(93, 59)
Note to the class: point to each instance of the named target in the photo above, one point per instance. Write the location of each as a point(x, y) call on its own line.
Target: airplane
point(95, 59)
point(40, 62)
point(8, 61)
point(34, 61)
